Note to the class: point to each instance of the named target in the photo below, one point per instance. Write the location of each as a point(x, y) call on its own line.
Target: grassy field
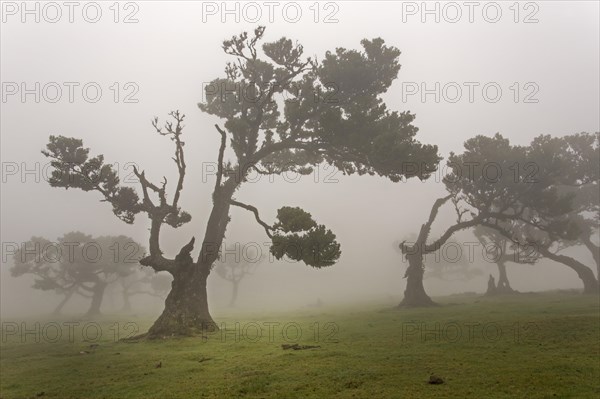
point(528, 346)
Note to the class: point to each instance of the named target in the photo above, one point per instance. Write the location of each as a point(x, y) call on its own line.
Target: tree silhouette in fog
point(235, 269)
point(521, 199)
point(78, 263)
point(332, 112)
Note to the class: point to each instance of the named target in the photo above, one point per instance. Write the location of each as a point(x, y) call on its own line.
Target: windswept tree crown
point(286, 112)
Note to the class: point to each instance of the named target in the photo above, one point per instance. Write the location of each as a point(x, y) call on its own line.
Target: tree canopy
point(78, 263)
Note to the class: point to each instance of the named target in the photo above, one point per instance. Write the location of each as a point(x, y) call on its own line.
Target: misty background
point(171, 53)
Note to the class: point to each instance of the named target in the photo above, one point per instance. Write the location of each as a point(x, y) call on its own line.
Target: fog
point(171, 54)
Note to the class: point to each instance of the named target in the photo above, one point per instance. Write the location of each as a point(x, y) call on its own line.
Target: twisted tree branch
point(255, 211)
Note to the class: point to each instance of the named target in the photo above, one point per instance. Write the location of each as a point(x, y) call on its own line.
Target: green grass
point(534, 346)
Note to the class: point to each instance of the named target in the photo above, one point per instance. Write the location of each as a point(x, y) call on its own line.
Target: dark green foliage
point(297, 236)
point(74, 169)
point(294, 220)
point(286, 113)
point(372, 139)
point(332, 111)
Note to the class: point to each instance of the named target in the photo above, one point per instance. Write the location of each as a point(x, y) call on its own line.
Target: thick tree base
point(202, 332)
point(176, 329)
point(418, 302)
point(186, 311)
point(414, 294)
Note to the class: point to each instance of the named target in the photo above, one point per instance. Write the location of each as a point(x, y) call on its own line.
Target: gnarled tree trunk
point(414, 294)
point(234, 293)
point(97, 296)
point(62, 303)
point(186, 307)
point(126, 301)
point(491, 289)
point(503, 286)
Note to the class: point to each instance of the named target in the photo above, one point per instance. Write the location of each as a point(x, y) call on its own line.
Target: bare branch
point(426, 228)
point(459, 212)
point(146, 184)
point(255, 211)
point(453, 229)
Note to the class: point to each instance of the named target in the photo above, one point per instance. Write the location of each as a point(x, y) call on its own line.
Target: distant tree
point(487, 237)
point(531, 193)
point(144, 281)
point(235, 270)
point(451, 265)
point(50, 275)
point(77, 264)
point(415, 252)
point(445, 265)
point(493, 182)
point(501, 250)
point(333, 112)
point(579, 159)
point(569, 167)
